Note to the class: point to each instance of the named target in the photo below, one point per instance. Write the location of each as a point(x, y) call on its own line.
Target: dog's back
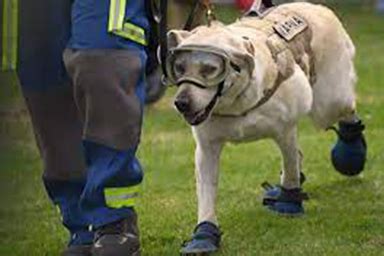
point(333, 92)
point(332, 54)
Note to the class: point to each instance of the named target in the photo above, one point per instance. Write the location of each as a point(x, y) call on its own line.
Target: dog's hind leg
point(287, 198)
point(335, 79)
point(334, 101)
point(207, 236)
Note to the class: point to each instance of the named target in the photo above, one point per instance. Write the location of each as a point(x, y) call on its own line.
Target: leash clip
point(210, 14)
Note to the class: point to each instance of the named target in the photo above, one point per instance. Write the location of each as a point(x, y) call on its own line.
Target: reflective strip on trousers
point(121, 197)
point(9, 34)
point(117, 25)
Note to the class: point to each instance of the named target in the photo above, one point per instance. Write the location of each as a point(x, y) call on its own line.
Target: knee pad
point(107, 86)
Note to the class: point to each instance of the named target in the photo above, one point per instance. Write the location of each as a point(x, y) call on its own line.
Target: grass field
point(344, 216)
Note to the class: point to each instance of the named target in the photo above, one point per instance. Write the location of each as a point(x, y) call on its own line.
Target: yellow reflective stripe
point(117, 26)
point(116, 15)
point(121, 197)
point(132, 32)
point(10, 27)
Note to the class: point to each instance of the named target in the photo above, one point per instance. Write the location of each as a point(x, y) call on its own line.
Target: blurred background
point(344, 216)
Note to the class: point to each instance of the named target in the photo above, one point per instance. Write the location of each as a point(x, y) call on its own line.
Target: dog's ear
point(244, 61)
point(246, 58)
point(175, 37)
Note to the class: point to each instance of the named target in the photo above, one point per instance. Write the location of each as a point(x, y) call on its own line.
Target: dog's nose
point(182, 104)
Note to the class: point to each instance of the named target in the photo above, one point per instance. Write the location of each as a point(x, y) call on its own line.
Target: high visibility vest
point(108, 24)
point(34, 33)
point(118, 24)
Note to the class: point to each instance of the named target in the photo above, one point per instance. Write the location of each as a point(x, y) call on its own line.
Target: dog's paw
point(350, 151)
point(288, 209)
point(288, 202)
point(205, 239)
point(273, 192)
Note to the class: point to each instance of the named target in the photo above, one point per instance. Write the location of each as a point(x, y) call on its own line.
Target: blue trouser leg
point(44, 29)
point(109, 168)
point(66, 195)
point(58, 134)
point(109, 92)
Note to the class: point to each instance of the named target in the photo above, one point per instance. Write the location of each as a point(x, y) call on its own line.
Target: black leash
point(188, 26)
point(190, 20)
point(163, 37)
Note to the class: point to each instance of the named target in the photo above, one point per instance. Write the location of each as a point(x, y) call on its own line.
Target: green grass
point(344, 216)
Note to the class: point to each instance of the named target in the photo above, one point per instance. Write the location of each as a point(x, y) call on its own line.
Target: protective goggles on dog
point(198, 80)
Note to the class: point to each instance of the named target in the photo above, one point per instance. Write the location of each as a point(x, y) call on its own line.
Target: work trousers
point(88, 132)
point(86, 119)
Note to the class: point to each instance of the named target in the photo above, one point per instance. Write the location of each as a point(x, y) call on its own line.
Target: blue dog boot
point(350, 151)
point(288, 202)
point(205, 240)
point(273, 192)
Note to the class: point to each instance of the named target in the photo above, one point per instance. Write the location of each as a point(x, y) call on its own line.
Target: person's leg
point(43, 33)
point(58, 135)
point(109, 91)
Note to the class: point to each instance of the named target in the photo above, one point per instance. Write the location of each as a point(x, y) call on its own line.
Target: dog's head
point(205, 64)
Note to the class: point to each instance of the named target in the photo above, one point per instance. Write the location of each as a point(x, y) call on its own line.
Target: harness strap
point(285, 55)
point(216, 97)
point(268, 93)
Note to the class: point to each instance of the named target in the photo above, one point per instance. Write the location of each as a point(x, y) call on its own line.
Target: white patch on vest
point(290, 27)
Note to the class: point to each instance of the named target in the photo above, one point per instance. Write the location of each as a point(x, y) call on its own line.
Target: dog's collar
point(268, 93)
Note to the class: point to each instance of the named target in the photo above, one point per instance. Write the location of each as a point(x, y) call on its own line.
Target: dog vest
point(288, 39)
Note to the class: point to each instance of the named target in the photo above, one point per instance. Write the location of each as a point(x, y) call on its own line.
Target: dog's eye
point(207, 70)
point(179, 69)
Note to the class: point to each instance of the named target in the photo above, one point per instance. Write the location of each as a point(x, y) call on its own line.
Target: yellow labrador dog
point(255, 79)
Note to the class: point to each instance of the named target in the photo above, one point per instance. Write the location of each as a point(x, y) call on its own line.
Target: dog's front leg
point(207, 236)
point(287, 199)
point(207, 158)
point(290, 177)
